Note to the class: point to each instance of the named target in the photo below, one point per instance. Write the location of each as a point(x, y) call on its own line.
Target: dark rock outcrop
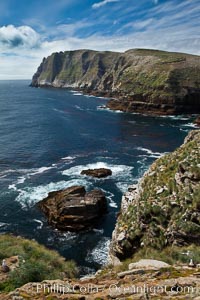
point(99, 173)
point(74, 209)
point(164, 208)
point(139, 80)
point(197, 121)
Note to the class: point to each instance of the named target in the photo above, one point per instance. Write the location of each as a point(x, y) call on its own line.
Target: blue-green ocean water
point(47, 136)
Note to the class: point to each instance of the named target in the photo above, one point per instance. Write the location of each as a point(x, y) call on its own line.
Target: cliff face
point(138, 80)
point(164, 208)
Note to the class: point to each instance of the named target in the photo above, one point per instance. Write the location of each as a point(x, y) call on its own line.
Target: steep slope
point(164, 208)
point(138, 80)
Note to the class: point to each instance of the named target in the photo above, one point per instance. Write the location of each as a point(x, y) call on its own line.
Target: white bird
point(4, 266)
point(191, 264)
point(186, 253)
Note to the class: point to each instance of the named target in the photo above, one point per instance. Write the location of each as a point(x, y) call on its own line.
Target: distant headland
point(138, 80)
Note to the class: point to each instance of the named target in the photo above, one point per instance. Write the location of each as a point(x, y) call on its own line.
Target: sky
point(33, 29)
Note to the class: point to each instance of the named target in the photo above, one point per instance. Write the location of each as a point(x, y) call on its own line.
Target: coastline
point(116, 102)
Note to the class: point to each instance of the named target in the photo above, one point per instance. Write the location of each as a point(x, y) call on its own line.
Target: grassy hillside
point(34, 262)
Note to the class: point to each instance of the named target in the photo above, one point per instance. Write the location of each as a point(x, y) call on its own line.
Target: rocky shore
point(138, 80)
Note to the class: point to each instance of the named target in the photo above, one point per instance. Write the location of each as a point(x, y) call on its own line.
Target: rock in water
point(99, 173)
point(74, 209)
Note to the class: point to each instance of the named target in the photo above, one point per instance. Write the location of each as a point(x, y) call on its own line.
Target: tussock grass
point(36, 263)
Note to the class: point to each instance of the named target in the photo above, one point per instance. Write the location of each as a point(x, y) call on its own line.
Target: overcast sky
point(33, 29)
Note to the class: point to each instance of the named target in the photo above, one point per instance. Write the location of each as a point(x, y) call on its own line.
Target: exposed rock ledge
point(164, 207)
point(74, 209)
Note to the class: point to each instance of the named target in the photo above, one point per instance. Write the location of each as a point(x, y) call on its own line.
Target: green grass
point(36, 263)
point(172, 255)
point(174, 210)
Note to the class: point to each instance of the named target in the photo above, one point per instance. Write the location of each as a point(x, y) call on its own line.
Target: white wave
point(78, 107)
point(6, 172)
point(31, 195)
point(89, 96)
point(59, 111)
point(3, 224)
point(39, 222)
point(185, 130)
point(100, 97)
point(69, 158)
point(113, 204)
point(77, 94)
point(109, 197)
point(40, 170)
point(100, 253)
point(123, 187)
point(174, 117)
point(12, 187)
point(192, 125)
point(28, 173)
point(21, 179)
point(150, 152)
point(102, 107)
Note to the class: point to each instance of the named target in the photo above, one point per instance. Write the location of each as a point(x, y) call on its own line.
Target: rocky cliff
point(137, 80)
point(164, 208)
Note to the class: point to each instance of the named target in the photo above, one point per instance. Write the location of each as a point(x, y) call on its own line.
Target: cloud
point(18, 37)
point(102, 3)
point(165, 27)
point(141, 24)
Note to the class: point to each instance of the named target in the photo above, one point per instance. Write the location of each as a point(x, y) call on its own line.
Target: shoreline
point(115, 102)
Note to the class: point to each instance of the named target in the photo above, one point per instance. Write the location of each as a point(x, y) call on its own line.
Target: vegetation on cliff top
point(36, 263)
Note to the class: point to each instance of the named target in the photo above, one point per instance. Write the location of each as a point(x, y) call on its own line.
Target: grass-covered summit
point(139, 80)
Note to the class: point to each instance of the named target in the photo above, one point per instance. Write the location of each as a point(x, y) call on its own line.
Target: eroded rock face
point(74, 209)
point(98, 173)
point(138, 80)
point(164, 208)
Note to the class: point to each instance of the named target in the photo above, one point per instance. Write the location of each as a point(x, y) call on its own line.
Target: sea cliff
point(137, 80)
point(163, 209)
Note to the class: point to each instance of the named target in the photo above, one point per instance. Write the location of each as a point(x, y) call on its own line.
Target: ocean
point(48, 136)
